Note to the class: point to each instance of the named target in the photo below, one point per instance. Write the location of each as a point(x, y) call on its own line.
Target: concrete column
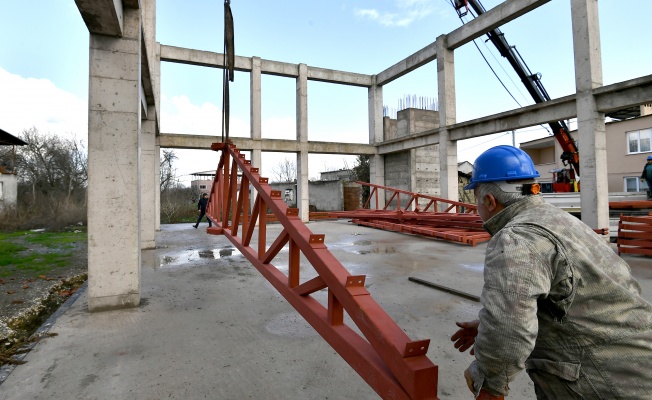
point(255, 110)
point(447, 116)
point(114, 167)
point(255, 99)
point(157, 186)
point(594, 194)
point(376, 162)
point(148, 186)
point(303, 197)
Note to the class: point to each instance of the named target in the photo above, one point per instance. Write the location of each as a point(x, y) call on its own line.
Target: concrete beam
point(279, 68)
point(608, 98)
point(409, 64)
point(339, 77)
point(182, 55)
point(143, 100)
point(181, 141)
point(149, 63)
point(147, 72)
point(492, 19)
point(244, 64)
point(473, 29)
point(102, 17)
point(624, 94)
point(132, 4)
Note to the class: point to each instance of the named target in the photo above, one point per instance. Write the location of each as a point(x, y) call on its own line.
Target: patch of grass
point(34, 253)
point(51, 239)
point(9, 248)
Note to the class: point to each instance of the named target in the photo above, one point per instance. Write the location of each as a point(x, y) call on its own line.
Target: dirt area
point(38, 277)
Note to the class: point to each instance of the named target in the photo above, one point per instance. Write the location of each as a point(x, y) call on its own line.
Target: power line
point(487, 141)
point(491, 68)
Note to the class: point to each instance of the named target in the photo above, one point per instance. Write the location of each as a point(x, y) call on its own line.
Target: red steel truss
point(392, 364)
point(420, 215)
point(432, 203)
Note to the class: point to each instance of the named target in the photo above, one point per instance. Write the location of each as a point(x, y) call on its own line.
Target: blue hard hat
point(649, 158)
point(502, 163)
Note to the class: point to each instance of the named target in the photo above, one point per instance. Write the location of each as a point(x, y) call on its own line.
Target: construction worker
point(647, 176)
point(557, 301)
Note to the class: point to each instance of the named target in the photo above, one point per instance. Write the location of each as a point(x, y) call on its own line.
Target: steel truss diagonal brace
point(392, 364)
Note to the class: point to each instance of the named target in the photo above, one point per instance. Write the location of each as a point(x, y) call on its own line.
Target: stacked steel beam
point(635, 234)
point(420, 215)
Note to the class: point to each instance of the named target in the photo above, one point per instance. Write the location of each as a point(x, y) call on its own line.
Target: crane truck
point(564, 179)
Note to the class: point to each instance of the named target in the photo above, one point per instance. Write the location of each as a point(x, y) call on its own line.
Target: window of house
point(634, 184)
point(639, 141)
point(202, 186)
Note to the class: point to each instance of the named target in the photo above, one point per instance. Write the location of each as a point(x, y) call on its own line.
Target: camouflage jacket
point(557, 298)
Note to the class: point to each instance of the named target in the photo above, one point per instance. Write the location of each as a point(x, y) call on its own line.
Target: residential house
point(8, 177)
point(628, 143)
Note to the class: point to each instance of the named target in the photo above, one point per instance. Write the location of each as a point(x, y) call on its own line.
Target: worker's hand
point(465, 337)
point(469, 380)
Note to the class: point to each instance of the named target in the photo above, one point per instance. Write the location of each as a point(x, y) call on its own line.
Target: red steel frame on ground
point(635, 234)
point(462, 226)
point(392, 364)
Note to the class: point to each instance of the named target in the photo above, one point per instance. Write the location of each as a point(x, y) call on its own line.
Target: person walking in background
point(201, 209)
point(647, 175)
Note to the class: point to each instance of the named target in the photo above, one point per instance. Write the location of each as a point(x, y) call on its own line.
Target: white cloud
point(30, 102)
point(407, 11)
point(279, 128)
point(179, 115)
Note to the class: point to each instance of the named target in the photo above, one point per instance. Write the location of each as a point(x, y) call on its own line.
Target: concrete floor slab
point(210, 326)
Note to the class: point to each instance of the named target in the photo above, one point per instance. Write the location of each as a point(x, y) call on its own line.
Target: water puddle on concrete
point(289, 325)
point(473, 267)
point(378, 248)
point(192, 255)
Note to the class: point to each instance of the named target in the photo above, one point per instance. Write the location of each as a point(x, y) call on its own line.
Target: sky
point(44, 67)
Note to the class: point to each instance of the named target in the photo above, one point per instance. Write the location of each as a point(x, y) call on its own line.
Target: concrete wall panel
point(327, 195)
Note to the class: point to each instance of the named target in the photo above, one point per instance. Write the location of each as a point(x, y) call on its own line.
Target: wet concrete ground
point(210, 326)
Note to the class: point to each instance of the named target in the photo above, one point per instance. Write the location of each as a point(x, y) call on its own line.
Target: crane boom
point(532, 82)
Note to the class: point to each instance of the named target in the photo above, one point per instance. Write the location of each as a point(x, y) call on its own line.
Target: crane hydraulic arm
point(531, 81)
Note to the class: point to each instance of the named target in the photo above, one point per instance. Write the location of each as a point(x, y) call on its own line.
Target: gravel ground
point(23, 291)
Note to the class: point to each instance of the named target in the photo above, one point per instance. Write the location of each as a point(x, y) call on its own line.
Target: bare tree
point(51, 165)
point(52, 176)
point(285, 171)
point(174, 199)
point(168, 172)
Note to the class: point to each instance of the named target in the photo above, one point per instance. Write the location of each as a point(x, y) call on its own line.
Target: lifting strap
point(229, 65)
